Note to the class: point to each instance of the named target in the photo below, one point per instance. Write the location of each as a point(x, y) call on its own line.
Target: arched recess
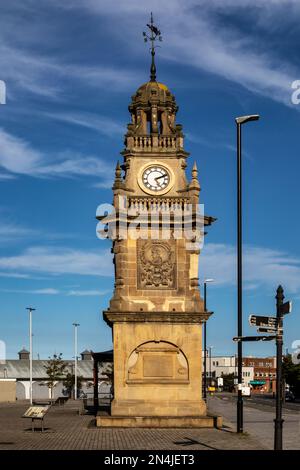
point(157, 362)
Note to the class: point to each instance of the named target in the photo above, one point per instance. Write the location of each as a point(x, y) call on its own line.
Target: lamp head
point(208, 280)
point(243, 119)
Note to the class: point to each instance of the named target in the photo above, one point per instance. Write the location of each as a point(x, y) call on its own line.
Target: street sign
point(270, 330)
point(285, 308)
point(258, 320)
point(253, 338)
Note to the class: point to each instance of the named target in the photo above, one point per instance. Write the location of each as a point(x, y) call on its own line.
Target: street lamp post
point(204, 345)
point(239, 122)
point(30, 310)
point(75, 357)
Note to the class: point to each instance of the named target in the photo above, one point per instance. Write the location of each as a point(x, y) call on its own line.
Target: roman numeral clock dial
point(156, 179)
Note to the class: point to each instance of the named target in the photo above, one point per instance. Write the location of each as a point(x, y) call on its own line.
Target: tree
point(291, 374)
point(69, 383)
point(55, 370)
point(228, 382)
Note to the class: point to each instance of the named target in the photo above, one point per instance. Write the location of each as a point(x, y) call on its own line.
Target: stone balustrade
point(149, 143)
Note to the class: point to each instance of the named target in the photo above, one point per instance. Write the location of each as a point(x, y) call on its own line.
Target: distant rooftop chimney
point(86, 355)
point(24, 354)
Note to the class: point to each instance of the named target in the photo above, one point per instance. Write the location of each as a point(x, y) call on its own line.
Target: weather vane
point(154, 36)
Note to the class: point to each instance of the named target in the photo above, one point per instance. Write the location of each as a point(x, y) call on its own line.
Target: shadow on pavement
point(192, 442)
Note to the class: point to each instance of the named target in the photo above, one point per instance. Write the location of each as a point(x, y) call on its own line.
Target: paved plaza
point(259, 419)
point(67, 429)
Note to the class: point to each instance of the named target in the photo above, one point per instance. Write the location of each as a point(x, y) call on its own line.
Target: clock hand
point(162, 176)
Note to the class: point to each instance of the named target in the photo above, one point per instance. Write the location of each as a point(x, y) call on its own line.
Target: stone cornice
point(157, 317)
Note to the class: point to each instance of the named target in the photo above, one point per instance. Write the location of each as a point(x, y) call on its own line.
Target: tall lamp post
point(30, 310)
point(204, 344)
point(75, 357)
point(239, 122)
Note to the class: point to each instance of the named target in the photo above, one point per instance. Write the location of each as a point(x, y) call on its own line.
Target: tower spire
point(155, 35)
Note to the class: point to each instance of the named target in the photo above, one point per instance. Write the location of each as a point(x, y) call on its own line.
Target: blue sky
point(70, 70)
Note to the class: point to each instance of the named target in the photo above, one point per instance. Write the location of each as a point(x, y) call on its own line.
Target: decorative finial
point(194, 184)
point(279, 294)
point(155, 34)
point(195, 172)
point(118, 172)
point(118, 177)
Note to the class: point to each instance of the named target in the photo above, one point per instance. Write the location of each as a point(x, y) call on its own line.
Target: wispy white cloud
point(18, 157)
point(15, 275)
point(6, 176)
point(262, 266)
point(103, 76)
point(196, 36)
point(87, 293)
point(52, 291)
point(9, 231)
point(102, 124)
point(46, 291)
point(48, 76)
point(59, 261)
point(25, 71)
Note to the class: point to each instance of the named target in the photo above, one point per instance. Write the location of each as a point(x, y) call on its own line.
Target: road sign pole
point(278, 421)
point(205, 350)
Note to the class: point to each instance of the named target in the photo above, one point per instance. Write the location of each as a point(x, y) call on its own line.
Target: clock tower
point(156, 312)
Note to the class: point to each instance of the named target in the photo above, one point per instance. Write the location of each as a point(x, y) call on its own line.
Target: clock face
point(156, 178)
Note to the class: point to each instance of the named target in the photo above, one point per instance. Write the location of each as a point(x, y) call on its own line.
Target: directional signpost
point(270, 330)
point(253, 338)
point(266, 322)
point(273, 325)
point(285, 308)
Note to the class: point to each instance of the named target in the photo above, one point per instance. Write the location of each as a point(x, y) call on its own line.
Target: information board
point(36, 412)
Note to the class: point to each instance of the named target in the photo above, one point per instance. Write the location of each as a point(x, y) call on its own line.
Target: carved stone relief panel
point(156, 264)
point(157, 362)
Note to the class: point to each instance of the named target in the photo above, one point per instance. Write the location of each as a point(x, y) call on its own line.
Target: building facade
point(258, 373)
point(15, 380)
point(218, 366)
point(264, 380)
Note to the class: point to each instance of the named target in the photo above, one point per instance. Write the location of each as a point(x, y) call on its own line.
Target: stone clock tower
point(156, 311)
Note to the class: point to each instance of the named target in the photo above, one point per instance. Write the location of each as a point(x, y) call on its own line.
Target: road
point(259, 413)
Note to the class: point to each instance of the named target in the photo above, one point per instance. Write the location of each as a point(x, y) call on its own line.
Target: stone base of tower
point(159, 421)
point(157, 371)
point(158, 407)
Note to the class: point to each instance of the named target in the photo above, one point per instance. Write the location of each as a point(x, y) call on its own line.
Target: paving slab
point(67, 429)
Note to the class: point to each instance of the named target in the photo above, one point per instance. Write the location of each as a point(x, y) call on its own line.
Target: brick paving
point(67, 429)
